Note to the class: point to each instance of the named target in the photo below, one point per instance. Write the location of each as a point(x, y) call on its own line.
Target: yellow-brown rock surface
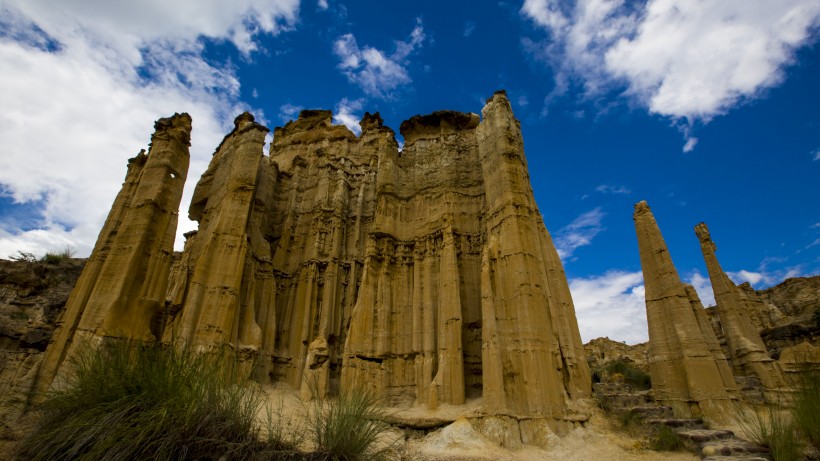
point(688, 368)
point(748, 354)
point(425, 274)
point(121, 291)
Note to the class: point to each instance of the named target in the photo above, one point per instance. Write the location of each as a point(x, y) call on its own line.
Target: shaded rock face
point(748, 354)
point(604, 351)
point(426, 274)
point(32, 296)
point(688, 369)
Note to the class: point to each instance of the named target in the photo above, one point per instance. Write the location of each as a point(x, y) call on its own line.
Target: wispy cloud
point(102, 73)
point(322, 5)
point(469, 28)
point(344, 114)
point(288, 112)
point(377, 73)
point(608, 189)
point(816, 155)
point(579, 232)
point(612, 305)
point(655, 50)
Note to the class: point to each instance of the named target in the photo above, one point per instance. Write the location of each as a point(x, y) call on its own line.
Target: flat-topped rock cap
point(435, 124)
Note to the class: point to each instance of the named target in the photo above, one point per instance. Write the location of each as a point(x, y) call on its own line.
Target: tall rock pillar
point(748, 353)
point(121, 292)
point(687, 367)
point(532, 354)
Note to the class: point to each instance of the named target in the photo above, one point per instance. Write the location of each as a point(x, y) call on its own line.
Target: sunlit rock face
point(688, 368)
point(339, 261)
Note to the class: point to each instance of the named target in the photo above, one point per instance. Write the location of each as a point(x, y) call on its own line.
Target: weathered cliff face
point(688, 368)
point(121, 291)
point(748, 354)
point(426, 275)
point(604, 351)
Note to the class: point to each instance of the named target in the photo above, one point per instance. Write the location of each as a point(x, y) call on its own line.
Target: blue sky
point(708, 110)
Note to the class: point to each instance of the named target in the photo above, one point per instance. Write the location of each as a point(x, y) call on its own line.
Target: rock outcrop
point(338, 261)
point(121, 291)
point(688, 369)
point(748, 354)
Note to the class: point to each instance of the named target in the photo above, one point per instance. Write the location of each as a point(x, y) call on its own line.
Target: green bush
point(632, 375)
point(350, 427)
point(666, 439)
point(128, 400)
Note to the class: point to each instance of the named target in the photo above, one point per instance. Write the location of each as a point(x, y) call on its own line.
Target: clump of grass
point(350, 427)
point(629, 418)
point(127, 400)
point(806, 409)
point(772, 429)
point(665, 439)
point(56, 257)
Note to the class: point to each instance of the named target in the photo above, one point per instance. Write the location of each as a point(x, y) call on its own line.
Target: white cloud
point(816, 155)
point(746, 276)
point(579, 232)
point(322, 5)
point(82, 83)
point(288, 112)
point(690, 144)
point(607, 189)
point(689, 61)
point(611, 305)
point(344, 114)
point(374, 71)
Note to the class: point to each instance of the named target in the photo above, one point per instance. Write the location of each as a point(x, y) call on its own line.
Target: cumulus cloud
point(344, 114)
point(377, 73)
point(608, 189)
point(689, 61)
point(322, 5)
point(82, 83)
point(611, 305)
point(578, 233)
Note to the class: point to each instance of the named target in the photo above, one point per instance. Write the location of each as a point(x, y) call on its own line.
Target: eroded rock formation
point(748, 353)
point(121, 291)
point(688, 368)
point(425, 274)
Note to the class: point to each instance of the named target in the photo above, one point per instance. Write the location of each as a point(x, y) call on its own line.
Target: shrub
point(631, 375)
point(23, 256)
point(772, 429)
point(349, 427)
point(666, 439)
point(127, 400)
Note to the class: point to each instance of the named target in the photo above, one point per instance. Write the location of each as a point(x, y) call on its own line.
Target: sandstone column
point(532, 352)
point(748, 353)
point(122, 289)
point(688, 370)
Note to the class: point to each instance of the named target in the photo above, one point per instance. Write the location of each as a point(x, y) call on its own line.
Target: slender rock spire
point(748, 353)
point(688, 370)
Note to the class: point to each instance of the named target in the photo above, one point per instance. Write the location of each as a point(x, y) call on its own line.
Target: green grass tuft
point(771, 428)
point(806, 410)
point(350, 427)
point(127, 400)
point(666, 439)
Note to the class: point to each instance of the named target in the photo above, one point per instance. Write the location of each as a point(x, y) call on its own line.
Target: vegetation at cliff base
point(127, 400)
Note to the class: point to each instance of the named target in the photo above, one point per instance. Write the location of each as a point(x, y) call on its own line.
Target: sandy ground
point(598, 441)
